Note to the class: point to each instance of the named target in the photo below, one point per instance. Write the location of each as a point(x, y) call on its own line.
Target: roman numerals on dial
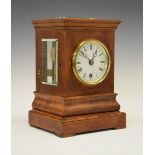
point(101, 69)
point(84, 76)
point(85, 49)
point(100, 54)
point(90, 46)
point(102, 61)
point(81, 53)
point(78, 62)
point(80, 69)
point(91, 62)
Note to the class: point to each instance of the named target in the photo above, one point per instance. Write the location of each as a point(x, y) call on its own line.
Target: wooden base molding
point(76, 105)
point(71, 125)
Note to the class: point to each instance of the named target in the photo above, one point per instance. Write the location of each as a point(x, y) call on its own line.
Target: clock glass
point(91, 62)
point(49, 61)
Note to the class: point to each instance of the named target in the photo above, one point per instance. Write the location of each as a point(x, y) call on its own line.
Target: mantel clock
point(75, 76)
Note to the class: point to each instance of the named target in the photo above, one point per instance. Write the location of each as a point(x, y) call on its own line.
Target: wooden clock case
point(72, 107)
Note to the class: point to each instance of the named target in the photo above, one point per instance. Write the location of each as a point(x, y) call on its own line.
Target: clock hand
point(91, 61)
point(84, 55)
point(94, 55)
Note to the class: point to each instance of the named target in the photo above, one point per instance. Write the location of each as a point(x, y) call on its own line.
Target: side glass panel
point(49, 62)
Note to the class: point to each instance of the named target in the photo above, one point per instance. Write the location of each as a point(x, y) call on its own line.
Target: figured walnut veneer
point(72, 107)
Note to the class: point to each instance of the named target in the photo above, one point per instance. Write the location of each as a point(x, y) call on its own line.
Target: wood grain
point(69, 126)
point(67, 106)
point(72, 107)
point(76, 22)
point(68, 41)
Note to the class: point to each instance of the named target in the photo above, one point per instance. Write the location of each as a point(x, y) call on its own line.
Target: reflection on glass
point(49, 64)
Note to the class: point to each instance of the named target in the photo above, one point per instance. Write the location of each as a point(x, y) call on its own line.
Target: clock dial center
point(91, 62)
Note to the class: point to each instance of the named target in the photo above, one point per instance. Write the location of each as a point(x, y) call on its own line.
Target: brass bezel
point(90, 83)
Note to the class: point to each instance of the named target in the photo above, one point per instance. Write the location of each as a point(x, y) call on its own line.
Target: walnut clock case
point(75, 76)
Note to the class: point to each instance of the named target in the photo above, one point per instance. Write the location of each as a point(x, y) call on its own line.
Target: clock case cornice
point(66, 23)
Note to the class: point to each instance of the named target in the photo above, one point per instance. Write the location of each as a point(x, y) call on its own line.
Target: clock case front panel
point(71, 97)
point(68, 40)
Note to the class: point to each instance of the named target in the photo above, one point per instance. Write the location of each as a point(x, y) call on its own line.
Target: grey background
point(128, 76)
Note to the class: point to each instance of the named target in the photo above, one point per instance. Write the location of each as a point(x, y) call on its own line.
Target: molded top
point(75, 22)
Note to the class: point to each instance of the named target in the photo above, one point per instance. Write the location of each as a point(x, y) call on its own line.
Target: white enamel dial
point(91, 62)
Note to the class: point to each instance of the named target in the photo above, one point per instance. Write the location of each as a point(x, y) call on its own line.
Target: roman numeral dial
point(91, 62)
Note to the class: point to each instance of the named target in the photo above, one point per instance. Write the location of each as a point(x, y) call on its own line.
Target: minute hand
point(94, 54)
